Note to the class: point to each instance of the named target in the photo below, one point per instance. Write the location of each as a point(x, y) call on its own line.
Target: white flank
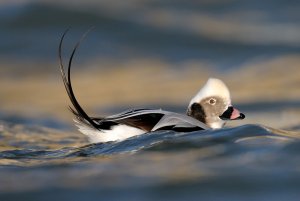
point(117, 133)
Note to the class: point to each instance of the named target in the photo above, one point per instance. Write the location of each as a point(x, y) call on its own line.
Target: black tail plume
point(78, 111)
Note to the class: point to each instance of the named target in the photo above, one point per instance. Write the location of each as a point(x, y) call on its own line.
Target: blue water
point(249, 162)
point(46, 159)
point(32, 31)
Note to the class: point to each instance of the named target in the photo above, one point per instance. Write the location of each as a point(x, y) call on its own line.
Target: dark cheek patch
point(196, 111)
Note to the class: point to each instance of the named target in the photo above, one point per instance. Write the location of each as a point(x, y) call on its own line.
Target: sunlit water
point(249, 162)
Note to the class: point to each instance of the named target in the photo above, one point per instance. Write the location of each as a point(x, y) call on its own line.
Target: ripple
point(233, 161)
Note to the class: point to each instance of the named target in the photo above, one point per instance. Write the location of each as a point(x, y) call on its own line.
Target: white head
point(212, 105)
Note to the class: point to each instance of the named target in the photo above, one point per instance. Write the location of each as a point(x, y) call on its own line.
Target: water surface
point(249, 162)
point(159, 54)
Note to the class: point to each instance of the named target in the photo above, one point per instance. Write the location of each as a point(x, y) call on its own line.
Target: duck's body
point(136, 122)
point(208, 109)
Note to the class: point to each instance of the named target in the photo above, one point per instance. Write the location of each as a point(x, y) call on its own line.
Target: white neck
point(216, 124)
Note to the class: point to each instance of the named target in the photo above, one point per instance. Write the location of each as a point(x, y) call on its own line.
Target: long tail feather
point(78, 111)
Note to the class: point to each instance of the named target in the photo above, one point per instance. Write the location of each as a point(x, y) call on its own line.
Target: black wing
point(144, 119)
point(152, 120)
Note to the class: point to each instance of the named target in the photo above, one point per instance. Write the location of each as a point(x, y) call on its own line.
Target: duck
point(210, 108)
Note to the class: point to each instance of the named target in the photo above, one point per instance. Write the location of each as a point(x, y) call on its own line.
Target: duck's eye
point(212, 101)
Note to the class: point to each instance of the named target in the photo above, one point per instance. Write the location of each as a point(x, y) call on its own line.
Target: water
point(138, 51)
point(231, 31)
point(249, 162)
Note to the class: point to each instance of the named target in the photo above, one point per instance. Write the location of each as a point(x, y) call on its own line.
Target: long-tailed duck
point(209, 109)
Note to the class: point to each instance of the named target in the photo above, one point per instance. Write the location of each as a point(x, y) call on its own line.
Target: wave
point(234, 162)
point(165, 141)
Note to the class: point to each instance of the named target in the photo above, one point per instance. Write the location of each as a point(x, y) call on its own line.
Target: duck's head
point(212, 105)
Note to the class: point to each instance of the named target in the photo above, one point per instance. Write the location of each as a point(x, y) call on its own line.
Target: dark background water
point(226, 33)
